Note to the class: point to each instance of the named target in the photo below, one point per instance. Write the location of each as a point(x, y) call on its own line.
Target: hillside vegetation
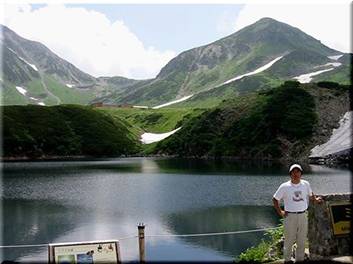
point(279, 123)
point(65, 130)
point(203, 68)
point(153, 120)
point(270, 124)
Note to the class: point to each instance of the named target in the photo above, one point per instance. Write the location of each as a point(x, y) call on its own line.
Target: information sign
point(340, 218)
point(90, 252)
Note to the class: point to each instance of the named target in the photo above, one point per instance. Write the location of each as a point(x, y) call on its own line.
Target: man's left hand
point(318, 200)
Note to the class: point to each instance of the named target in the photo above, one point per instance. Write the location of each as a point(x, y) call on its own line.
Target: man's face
point(295, 175)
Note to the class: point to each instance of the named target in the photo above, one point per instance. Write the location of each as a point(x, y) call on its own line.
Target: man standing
point(295, 194)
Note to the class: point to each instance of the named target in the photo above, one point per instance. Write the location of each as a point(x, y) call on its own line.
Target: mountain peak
point(266, 20)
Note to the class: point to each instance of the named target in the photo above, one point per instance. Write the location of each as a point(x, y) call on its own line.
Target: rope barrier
point(129, 237)
point(214, 234)
point(23, 246)
point(44, 245)
point(163, 235)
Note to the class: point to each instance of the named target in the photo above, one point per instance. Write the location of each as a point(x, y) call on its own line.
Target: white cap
point(295, 166)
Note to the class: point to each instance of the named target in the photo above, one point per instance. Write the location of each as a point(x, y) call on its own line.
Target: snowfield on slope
point(307, 77)
point(335, 57)
point(261, 69)
point(148, 138)
point(340, 139)
point(32, 65)
point(21, 90)
point(140, 106)
point(258, 70)
point(173, 102)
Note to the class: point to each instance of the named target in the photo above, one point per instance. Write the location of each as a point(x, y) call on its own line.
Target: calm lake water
point(52, 202)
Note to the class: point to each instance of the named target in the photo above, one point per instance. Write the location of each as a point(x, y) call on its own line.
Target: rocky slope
point(215, 65)
point(32, 74)
point(257, 57)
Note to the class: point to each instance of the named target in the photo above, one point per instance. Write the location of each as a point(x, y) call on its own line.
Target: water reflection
point(204, 166)
point(223, 219)
point(105, 199)
point(34, 222)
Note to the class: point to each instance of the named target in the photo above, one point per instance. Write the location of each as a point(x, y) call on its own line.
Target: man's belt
point(301, 212)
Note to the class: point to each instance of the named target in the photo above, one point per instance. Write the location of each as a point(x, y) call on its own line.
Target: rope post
point(141, 237)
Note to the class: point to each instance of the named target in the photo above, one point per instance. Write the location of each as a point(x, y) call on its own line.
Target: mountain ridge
point(204, 67)
point(50, 80)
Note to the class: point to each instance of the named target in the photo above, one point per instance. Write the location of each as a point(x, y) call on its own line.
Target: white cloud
point(329, 23)
point(226, 23)
point(88, 40)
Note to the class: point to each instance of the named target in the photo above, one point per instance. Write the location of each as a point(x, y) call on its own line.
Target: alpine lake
point(72, 201)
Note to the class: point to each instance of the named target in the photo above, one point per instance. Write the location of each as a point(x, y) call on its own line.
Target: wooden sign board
point(340, 213)
point(90, 252)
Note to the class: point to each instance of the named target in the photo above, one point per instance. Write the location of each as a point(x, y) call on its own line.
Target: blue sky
point(172, 26)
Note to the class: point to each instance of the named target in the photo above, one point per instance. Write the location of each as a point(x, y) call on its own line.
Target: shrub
point(259, 253)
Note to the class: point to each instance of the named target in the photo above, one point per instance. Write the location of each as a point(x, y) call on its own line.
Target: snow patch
point(148, 138)
point(334, 64)
point(41, 103)
point(307, 77)
point(12, 50)
point(340, 139)
point(70, 85)
point(140, 106)
point(261, 69)
point(173, 102)
point(334, 57)
point(21, 90)
point(35, 99)
point(32, 65)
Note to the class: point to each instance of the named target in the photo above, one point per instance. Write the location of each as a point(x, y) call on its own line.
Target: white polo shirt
point(295, 196)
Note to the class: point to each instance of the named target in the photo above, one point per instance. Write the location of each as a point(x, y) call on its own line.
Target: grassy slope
point(341, 75)
point(35, 89)
point(68, 95)
point(10, 96)
point(36, 131)
point(265, 125)
point(153, 120)
point(212, 98)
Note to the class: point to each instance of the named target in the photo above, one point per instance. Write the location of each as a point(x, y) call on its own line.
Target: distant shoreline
point(329, 161)
point(57, 158)
point(87, 158)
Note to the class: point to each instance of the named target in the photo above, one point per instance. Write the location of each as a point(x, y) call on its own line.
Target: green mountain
point(341, 74)
point(35, 131)
point(209, 67)
point(280, 123)
point(32, 74)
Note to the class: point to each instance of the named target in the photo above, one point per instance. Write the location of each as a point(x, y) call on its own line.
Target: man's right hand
point(284, 213)
point(279, 211)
